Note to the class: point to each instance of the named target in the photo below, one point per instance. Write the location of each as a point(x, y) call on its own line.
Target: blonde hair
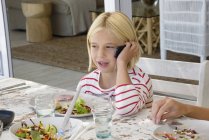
point(120, 25)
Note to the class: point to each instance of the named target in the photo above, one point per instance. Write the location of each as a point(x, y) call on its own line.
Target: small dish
point(6, 116)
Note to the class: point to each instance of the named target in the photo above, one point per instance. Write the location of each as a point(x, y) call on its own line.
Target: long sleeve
point(131, 98)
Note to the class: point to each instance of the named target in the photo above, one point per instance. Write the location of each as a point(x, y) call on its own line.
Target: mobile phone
point(118, 50)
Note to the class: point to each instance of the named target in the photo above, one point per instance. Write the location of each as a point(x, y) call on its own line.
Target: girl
point(113, 77)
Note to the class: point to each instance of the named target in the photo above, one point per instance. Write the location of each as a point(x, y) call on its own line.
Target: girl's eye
point(93, 46)
point(110, 47)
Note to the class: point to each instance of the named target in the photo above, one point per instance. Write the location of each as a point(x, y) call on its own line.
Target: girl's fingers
point(128, 44)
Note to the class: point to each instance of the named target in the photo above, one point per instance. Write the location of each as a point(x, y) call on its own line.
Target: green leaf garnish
point(35, 135)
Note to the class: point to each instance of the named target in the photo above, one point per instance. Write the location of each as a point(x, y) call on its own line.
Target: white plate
point(73, 116)
point(57, 121)
point(200, 126)
point(87, 100)
point(90, 101)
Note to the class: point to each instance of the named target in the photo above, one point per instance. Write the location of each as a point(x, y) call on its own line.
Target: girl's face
point(103, 47)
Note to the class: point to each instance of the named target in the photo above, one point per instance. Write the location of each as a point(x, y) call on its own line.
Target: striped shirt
point(128, 98)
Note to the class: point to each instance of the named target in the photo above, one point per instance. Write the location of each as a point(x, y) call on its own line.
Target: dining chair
point(184, 27)
point(180, 79)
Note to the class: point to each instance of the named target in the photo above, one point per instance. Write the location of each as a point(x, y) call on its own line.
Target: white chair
point(182, 70)
point(184, 27)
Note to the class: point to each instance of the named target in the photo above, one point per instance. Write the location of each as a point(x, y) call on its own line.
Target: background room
point(57, 55)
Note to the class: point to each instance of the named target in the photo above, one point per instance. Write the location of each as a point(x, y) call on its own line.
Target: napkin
point(85, 127)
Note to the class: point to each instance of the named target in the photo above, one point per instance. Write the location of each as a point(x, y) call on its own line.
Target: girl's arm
point(131, 95)
point(130, 98)
point(122, 61)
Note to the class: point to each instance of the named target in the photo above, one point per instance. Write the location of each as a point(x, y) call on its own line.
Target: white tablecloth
point(134, 127)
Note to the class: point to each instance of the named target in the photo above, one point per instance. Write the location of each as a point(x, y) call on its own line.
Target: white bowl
point(57, 121)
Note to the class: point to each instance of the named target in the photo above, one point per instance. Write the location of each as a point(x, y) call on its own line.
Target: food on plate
point(37, 132)
point(180, 134)
point(79, 108)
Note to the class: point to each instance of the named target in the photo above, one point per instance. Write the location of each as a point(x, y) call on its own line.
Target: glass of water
point(102, 114)
point(44, 105)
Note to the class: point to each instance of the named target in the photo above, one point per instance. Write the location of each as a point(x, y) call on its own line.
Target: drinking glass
point(44, 105)
point(102, 114)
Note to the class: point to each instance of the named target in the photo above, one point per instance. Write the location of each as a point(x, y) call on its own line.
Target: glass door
point(5, 52)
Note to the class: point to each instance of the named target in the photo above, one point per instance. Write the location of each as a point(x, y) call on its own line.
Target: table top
point(139, 9)
point(137, 126)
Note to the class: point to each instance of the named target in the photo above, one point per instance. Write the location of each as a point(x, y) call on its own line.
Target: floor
point(45, 74)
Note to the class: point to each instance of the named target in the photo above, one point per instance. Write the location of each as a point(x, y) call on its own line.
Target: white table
point(124, 128)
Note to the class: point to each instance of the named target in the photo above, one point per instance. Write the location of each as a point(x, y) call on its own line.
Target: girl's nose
point(100, 53)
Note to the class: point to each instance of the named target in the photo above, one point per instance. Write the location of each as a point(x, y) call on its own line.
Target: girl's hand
point(167, 109)
point(127, 54)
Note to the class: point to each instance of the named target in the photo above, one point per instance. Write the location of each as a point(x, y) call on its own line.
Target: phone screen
point(118, 50)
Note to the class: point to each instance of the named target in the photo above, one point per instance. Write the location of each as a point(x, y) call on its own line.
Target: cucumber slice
point(53, 129)
point(47, 128)
point(21, 135)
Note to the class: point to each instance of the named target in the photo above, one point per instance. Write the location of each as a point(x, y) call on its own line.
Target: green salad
point(79, 108)
point(37, 132)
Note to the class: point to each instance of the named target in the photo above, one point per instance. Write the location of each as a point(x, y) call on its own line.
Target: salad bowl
point(48, 121)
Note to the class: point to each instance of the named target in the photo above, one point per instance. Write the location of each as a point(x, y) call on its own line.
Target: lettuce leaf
point(35, 135)
point(80, 106)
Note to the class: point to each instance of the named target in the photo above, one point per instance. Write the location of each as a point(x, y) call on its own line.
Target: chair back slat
point(174, 89)
point(176, 69)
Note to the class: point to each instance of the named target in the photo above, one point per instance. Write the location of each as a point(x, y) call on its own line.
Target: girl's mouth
point(102, 64)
